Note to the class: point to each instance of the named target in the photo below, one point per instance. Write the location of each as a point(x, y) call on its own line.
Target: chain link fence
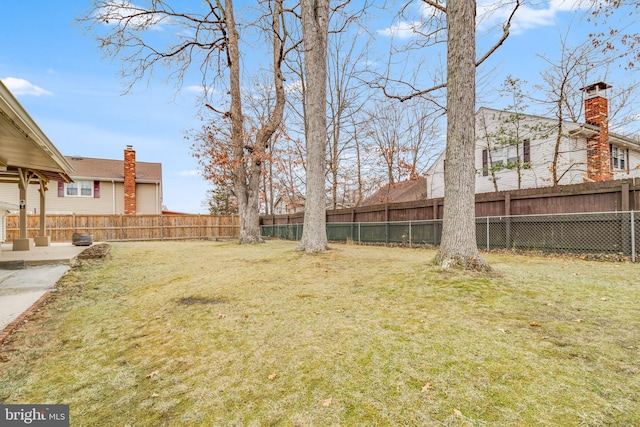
point(609, 233)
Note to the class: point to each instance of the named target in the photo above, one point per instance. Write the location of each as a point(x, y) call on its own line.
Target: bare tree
point(315, 29)
point(458, 246)
point(421, 138)
point(562, 82)
point(210, 42)
point(403, 136)
point(385, 128)
point(346, 99)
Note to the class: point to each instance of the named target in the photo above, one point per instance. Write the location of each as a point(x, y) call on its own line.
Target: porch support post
point(42, 239)
point(23, 243)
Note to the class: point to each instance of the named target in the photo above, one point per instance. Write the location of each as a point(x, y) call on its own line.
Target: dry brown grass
point(205, 333)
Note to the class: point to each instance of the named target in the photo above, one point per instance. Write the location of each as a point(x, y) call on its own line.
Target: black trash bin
point(82, 239)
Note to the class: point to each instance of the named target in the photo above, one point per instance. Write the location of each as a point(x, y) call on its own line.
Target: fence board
point(129, 227)
point(608, 196)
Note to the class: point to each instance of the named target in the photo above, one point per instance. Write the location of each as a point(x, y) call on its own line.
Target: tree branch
point(505, 34)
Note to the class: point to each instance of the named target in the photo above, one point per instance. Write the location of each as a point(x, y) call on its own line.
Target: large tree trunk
point(248, 170)
point(458, 247)
point(249, 219)
point(315, 26)
point(249, 232)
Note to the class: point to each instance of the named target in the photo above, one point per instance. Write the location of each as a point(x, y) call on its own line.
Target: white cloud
point(401, 30)
point(125, 12)
point(293, 87)
point(189, 173)
point(199, 89)
point(526, 17)
point(490, 14)
point(410, 28)
point(24, 87)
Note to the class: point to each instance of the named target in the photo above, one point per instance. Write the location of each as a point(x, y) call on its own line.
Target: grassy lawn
point(217, 334)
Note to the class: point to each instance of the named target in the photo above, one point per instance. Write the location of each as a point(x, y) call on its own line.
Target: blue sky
point(60, 77)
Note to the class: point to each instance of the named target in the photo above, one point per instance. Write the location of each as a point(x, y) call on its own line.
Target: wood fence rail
point(128, 227)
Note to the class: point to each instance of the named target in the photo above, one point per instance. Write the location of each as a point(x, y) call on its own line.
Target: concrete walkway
point(26, 277)
point(20, 289)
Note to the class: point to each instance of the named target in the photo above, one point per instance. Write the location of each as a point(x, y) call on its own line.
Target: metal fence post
point(633, 237)
point(358, 233)
point(409, 233)
point(487, 234)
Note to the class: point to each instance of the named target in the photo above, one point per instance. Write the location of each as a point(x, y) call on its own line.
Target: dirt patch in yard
point(199, 300)
point(100, 250)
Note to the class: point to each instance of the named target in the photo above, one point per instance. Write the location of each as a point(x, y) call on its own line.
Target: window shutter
point(526, 149)
point(96, 189)
point(627, 155)
point(485, 163)
point(60, 189)
point(611, 157)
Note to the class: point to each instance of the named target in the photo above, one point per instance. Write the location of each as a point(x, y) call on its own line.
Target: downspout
point(113, 195)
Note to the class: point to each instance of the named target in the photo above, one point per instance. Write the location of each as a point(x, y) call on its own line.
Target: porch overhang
point(23, 145)
point(27, 156)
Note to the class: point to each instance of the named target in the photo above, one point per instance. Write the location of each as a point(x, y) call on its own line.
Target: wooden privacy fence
point(129, 227)
point(608, 196)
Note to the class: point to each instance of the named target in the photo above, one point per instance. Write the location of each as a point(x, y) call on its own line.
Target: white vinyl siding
point(111, 200)
point(572, 159)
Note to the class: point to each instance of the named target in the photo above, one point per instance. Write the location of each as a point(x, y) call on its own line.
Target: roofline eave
point(33, 131)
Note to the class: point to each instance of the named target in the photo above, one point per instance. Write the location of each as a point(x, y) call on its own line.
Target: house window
point(619, 157)
point(508, 156)
point(79, 189)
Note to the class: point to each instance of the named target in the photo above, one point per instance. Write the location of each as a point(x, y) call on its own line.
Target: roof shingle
point(107, 169)
point(405, 191)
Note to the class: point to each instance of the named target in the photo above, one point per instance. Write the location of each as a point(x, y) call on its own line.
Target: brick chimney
point(129, 181)
point(596, 113)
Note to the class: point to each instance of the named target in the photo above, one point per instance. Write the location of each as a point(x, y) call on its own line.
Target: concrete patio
point(56, 253)
point(27, 278)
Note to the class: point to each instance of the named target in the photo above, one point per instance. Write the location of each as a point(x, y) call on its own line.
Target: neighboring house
point(100, 186)
point(517, 151)
point(5, 208)
point(404, 191)
point(286, 205)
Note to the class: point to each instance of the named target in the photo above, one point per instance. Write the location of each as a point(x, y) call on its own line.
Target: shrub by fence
point(128, 227)
point(595, 233)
